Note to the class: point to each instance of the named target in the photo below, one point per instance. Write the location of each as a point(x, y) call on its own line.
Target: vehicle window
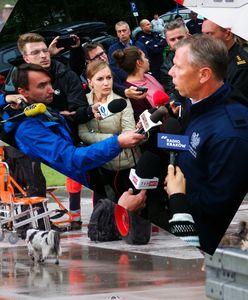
point(8, 55)
point(185, 16)
point(167, 18)
point(9, 87)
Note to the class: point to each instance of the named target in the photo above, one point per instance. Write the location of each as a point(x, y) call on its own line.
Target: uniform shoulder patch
point(240, 61)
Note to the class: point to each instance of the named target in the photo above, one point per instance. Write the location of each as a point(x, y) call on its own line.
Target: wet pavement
point(166, 268)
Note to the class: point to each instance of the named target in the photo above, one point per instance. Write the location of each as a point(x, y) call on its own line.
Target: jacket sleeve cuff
point(89, 112)
point(178, 203)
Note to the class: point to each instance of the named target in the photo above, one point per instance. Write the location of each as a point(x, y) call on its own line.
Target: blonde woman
point(115, 173)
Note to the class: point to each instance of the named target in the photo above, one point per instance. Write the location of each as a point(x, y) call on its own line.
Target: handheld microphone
point(172, 140)
point(39, 108)
point(115, 106)
point(150, 121)
point(147, 172)
point(34, 109)
point(30, 111)
point(160, 98)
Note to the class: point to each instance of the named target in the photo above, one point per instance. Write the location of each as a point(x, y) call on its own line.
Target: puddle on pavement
point(89, 270)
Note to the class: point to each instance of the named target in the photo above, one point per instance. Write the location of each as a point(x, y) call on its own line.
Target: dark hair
point(89, 47)
point(202, 44)
point(178, 16)
point(126, 58)
point(20, 74)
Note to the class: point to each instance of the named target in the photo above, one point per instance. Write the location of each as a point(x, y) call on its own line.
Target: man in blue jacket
point(124, 35)
point(47, 139)
point(216, 165)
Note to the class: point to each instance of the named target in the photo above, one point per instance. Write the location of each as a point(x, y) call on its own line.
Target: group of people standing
point(202, 76)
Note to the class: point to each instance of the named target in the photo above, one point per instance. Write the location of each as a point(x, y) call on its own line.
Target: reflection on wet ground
point(165, 268)
point(90, 270)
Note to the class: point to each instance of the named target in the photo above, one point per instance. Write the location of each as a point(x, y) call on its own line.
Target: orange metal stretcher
point(12, 215)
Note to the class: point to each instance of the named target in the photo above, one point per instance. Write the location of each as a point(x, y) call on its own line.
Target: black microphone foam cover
point(158, 114)
point(172, 126)
point(149, 166)
point(117, 105)
point(152, 110)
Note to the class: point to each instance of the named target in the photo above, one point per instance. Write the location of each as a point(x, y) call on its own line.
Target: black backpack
point(102, 227)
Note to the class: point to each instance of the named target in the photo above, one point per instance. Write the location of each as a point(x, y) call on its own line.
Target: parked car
point(106, 40)
point(85, 30)
point(170, 15)
point(8, 51)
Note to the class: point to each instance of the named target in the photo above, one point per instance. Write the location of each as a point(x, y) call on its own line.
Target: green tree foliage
point(32, 14)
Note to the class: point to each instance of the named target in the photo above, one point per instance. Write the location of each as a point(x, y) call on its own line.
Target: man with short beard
point(174, 32)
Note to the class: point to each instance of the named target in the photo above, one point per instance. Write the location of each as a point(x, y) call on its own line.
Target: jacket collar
point(220, 96)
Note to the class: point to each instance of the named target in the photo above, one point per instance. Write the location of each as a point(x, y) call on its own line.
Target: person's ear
point(22, 91)
point(90, 84)
point(229, 34)
point(139, 63)
point(26, 59)
point(205, 74)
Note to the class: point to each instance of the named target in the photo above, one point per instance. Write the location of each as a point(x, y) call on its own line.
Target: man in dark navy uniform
point(216, 164)
point(155, 45)
point(237, 71)
point(195, 24)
